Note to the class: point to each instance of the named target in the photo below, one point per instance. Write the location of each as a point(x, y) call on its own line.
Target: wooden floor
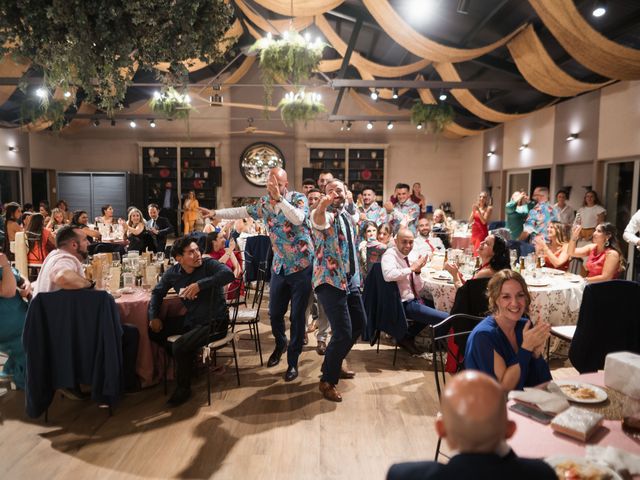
point(264, 429)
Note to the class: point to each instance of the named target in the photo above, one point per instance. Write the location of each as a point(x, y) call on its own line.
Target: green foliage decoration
point(45, 110)
point(98, 45)
point(300, 107)
point(171, 104)
point(435, 117)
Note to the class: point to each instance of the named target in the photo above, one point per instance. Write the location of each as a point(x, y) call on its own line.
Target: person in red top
point(40, 240)
point(479, 219)
point(604, 258)
point(556, 251)
point(228, 257)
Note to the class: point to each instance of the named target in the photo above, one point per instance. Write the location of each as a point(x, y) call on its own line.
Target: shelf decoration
point(434, 117)
point(171, 103)
point(291, 58)
point(300, 106)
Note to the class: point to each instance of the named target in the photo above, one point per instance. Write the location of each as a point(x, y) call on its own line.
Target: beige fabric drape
point(448, 73)
point(275, 27)
point(369, 109)
point(239, 72)
point(300, 7)
point(11, 69)
point(407, 37)
point(327, 66)
point(539, 69)
point(586, 45)
point(385, 93)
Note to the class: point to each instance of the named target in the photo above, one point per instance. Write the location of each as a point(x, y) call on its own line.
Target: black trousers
point(130, 341)
point(183, 350)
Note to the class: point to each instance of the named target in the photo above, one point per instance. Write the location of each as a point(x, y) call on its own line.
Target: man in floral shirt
point(285, 213)
point(370, 210)
point(336, 278)
point(405, 211)
point(539, 216)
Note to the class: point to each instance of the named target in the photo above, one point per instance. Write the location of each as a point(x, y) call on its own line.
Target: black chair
point(453, 327)
point(609, 321)
point(250, 316)
point(471, 299)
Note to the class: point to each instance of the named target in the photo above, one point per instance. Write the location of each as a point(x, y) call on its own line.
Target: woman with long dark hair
point(40, 241)
point(494, 256)
point(80, 220)
point(13, 213)
point(604, 257)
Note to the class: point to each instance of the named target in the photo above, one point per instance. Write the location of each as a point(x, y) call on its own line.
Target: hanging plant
point(300, 107)
point(292, 58)
point(45, 110)
point(99, 46)
point(171, 104)
point(435, 117)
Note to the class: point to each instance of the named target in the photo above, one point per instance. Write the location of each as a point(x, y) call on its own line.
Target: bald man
point(285, 212)
point(474, 423)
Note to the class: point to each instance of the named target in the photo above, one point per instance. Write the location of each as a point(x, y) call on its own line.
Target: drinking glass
point(159, 257)
point(115, 259)
point(513, 256)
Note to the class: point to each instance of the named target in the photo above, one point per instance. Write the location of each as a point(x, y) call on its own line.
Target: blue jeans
point(295, 288)
point(422, 315)
point(345, 312)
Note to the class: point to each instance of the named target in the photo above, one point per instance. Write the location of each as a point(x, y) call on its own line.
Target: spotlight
point(599, 8)
point(113, 122)
point(342, 126)
point(369, 125)
point(394, 94)
point(67, 94)
point(389, 125)
point(96, 122)
point(133, 124)
point(523, 146)
point(491, 154)
point(348, 126)
point(419, 126)
point(152, 123)
point(572, 137)
point(157, 95)
point(42, 92)
point(443, 96)
point(374, 95)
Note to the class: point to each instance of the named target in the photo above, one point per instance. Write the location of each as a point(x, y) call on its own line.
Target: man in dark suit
point(158, 226)
point(169, 203)
point(474, 423)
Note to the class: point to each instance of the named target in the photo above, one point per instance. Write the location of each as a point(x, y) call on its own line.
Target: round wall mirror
point(256, 161)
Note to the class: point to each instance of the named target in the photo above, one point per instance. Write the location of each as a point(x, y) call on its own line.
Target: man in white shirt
point(424, 243)
point(397, 267)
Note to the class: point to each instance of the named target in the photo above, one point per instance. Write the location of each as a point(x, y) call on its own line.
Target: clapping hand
point(417, 265)
point(452, 268)
point(535, 336)
point(273, 189)
point(388, 206)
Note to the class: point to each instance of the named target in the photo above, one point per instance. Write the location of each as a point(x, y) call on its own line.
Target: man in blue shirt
point(199, 282)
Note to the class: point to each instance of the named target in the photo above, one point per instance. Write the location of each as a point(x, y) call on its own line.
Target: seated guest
point(80, 220)
point(13, 310)
point(62, 205)
point(229, 257)
point(397, 267)
point(604, 258)
point(505, 345)
point(494, 256)
point(424, 243)
point(199, 283)
point(134, 229)
point(556, 252)
point(159, 226)
point(107, 215)
point(441, 227)
point(12, 225)
point(45, 212)
point(369, 232)
point(40, 241)
point(62, 270)
point(57, 220)
point(385, 235)
point(474, 423)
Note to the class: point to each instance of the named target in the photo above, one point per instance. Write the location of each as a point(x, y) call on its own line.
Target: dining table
point(534, 439)
point(133, 309)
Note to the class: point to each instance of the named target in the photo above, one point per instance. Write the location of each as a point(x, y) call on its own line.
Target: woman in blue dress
point(13, 310)
point(504, 344)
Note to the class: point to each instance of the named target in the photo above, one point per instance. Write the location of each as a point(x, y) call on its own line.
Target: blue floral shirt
point(400, 211)
point(375, 213)
point(332, 251)
point(292, 244)
point(538, 220)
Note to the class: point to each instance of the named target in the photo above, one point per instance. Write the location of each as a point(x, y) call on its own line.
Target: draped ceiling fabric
point(299, 7)
point(588, 46)
point(539, 69)
point(275, 27)
point(369, 109)
point(448, 73)
point(408, 38)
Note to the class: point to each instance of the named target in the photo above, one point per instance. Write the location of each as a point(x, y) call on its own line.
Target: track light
point(96, 122)
point(599, 8)
point(152, 123)
point(113, 122)
point(442, 97)
point(133, 124)
point(374, 94)
point(348, 126)
point(342, 126)
point(369, 125)
point(419, 126)
point(572, 137)
point(523, 146)
point(490, 154)
point(389, 125)
point(394, 94)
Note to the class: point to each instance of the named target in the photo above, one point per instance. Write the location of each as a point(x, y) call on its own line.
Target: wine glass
point(115, 259)
point(513, 256)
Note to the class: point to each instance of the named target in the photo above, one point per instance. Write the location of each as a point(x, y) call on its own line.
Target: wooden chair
point(249, 317)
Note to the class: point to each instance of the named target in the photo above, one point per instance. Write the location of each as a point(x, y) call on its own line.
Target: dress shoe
point(347, 374)
point(274, 359)
point(291, 375)
point(179, 396)
point(321, 348)
point(329, 392)
point(409, 345)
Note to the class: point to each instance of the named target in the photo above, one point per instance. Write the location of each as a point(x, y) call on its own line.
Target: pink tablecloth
point(532, 439)
point(133, 310)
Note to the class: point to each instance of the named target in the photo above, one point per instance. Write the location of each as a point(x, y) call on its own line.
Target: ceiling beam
point(393, 83)
point(345, 61)
point(482, 23)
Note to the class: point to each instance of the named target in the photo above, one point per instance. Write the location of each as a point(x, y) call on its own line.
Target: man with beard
point(404, 212)
point(285, 213)
point(370, 210)
point(336, 279)
point(424, 243)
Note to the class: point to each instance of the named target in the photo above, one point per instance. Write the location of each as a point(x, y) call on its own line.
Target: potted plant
point(300, 107)
point(434, 117)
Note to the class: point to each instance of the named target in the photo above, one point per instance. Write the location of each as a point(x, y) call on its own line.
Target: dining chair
point(249, 317)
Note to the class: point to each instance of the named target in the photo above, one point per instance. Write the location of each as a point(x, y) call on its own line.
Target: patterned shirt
point(292, 246)
point(408, 208)
point(374, 213)
point(332, 250)
point(538, 220)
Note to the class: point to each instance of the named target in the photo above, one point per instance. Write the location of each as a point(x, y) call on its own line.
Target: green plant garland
point(434, 117)
point(45, 110)
point(171, 104)
point(300, 107)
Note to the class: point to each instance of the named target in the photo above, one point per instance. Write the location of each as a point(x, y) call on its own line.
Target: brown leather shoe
point(409, 345)
point(347, 374)
point(321, 348)
point(329, 392)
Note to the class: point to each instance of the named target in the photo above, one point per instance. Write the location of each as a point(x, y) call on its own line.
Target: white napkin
point(545, 401)
point(617, 459)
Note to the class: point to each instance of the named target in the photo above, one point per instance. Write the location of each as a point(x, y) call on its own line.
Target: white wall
point(537, 130)
point(619, 120)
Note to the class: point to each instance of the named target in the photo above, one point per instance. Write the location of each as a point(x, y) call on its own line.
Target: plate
point(552, 271)
point(442, 276)
point(581, 392)
point(574, 279)
point(537, 282)
point(126, 291)
point(583, 467)
point(116, 295)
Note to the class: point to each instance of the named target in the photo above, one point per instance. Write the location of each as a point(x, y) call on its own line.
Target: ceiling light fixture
point(442, 97)
point(152, 123)
point(42, 92)
point(572, 137)
point(374, 95)
point(599, 8)
point(67, 94)
point(369, 125)
point(419, 126)
point(523, 146)
point(96, 122)
point(342, 126)
point(394, 94)
point(133, 124)
point(349, 126)
point(491, 153)
point(389, 125)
